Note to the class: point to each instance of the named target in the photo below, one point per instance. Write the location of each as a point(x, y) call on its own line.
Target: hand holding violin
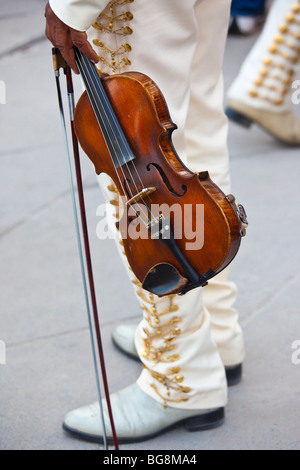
point(65, 38)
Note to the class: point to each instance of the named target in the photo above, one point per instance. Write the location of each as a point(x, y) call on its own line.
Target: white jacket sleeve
point(78, 14)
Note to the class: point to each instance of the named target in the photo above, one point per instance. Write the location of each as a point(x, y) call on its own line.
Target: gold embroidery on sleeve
point(114, 22)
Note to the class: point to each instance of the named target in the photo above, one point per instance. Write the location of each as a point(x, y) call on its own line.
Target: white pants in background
point(264, 80)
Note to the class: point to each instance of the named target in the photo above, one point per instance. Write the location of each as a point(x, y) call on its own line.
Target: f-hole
point(127, 184)
point(166, 180)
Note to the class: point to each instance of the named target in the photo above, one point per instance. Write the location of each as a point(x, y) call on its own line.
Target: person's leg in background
point(261, 93)
point(206, 136)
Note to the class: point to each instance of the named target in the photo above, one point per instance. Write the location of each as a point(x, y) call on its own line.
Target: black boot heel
point(234, 375)
point(206, 421)
point(238, 118)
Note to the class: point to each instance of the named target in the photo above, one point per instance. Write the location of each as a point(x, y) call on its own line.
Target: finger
point(66, 52)
point(47, 9)
point(48, 34)
point(81, 42)
point(64, 43)
point(58, 34)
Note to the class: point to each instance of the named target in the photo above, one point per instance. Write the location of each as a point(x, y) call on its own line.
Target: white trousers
point(180, 45)
point(264, 80)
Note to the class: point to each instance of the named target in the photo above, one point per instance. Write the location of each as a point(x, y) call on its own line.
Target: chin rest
point(164, 279)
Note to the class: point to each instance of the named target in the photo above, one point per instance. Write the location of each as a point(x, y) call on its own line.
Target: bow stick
point(58, 63)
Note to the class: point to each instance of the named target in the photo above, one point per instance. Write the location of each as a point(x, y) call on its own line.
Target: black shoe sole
point(238, 118)
point(202, 422)
point(234, 375)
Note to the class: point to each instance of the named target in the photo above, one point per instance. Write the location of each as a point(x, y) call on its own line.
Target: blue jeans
point(247, 7)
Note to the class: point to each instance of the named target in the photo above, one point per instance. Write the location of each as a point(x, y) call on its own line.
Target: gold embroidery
point(112, 188)
point(171, 383)
point(110, 22)
point(275, 78)
point(160, 346)
point(116, 201)
point(136, 283)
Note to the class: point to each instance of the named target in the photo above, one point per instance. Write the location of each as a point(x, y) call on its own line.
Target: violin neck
point(111, 129)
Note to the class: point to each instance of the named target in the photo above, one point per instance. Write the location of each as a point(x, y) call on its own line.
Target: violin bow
point(59, 63)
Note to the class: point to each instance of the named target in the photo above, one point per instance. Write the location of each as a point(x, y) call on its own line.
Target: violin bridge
point(138, 197)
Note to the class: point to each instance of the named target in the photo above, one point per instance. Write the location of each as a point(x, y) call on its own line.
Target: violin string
point(138, 175)
point(84, 72)
point(123, 139)
point(116, 154)
point(132, 163)
point(127, 165)
point(140, 180)
point(87, 74)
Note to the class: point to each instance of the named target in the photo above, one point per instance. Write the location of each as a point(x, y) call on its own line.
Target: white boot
point(261, 92)
point(137, 417)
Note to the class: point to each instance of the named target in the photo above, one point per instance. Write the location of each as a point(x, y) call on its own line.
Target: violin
point(123, 124)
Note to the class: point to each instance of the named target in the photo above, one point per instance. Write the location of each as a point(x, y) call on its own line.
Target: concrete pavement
point(43, 323)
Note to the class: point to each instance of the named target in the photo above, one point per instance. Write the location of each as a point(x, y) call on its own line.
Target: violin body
point(163, 265)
